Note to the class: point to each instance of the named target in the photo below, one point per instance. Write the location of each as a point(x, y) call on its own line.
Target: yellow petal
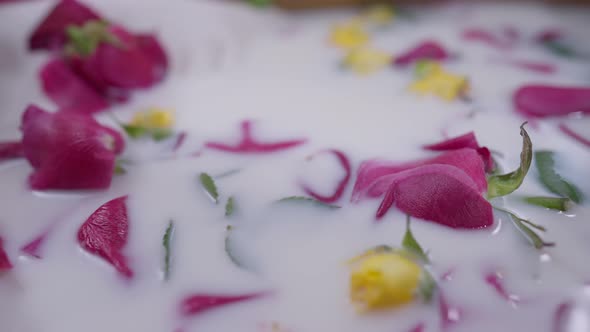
point(349, 35)
point(154, 118)
point(383, 280)
point(436, 81)
point(365, 60)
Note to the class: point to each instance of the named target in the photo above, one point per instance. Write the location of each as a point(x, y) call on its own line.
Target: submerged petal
point(427, 50)
point(546, 100)
point(198, 303)
point(5, 263)
point(467, 140)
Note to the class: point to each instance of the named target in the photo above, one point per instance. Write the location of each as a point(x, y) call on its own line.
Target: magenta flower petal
point(11, 150)
point(549, 35)
point(464, 141)
point(427, 50)
point(501, 42)
point(440, 193)
point(5, 263)
point(538, 67)
point(68, 150)
point(105, 234)
point(70, 91)
point(339, 191)
point(32, 248)
point(546, 101)
point(50, 34)
point(370, 175)
point(198, 303)
point(496, 282)
point(249, 145)
point(579, 137)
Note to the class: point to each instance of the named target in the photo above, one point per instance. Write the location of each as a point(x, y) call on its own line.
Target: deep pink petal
point(495, 280)
point(440, 193)
point(546, 101)
point(370, 172)
point(180, 139)
point(538, 67)
point(579, 137)
point(32, 248)
point(502, 42)
point(152, 48)
point(339, 191)
point(198, 303)
point(69, 90)
point(105, 234)
point(427, 50)
point(11, 150)
point(5, 263)
point(68, 150)
point(464, 141)
point(50, 34)
point(248, 144)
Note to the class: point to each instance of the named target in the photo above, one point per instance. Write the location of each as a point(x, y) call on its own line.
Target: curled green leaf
point(502, 185)
point(307, 200)
point(229, 250)
point(229, 207)
point(410, 244)
point(427, 286)
point(545, 161)
point(167, 250)
point(553, 203)
point(209, 186)
point(522, 225)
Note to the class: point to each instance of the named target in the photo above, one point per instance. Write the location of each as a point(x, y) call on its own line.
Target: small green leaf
point(530, 235)
point(307, 200)
point(427, 286)
point(229, 207)
point(209, 186)
point(502, 185)
point(166, 243)
point(159, 134)
point(560, 49)
point(134, 131)
point(119, 169)
point(553, 203)
point(410, 244)
point(83, 40)
point(545, 161)
point(230, 251)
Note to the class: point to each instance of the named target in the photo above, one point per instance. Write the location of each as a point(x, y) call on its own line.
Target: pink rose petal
point(50, 34)
point(5, 263)
point(501, 42)
point(546, 101)
point(339, 191)
point(538, 67)
point(33, 248)
point(68, 150)
point(249, 145)
point(180, 139)
point(495, 280)
point(199, 303)
point(427, 50)
point(70, 91)
point(440, 193)
point(105, 234)
point(11, 150)
point(584, 140)
point(464, 141)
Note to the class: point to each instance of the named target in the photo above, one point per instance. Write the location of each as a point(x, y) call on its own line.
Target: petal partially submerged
point(198, 303)
point(467, 140)
point(50, 33)
point(339, 191)
point(427, 50)
point(5, 263)
point(68, 150)
point(11, 150)
point(105, 234)
point(546, 100)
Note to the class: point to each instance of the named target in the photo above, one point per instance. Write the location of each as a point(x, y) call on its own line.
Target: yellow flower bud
point(365, 60)
point(433, 79)
point(383, 279)
point(154, 118)
point(349, 35)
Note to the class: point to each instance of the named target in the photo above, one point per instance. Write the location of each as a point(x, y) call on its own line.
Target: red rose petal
point(5, 263)
point(339, 191)
point(495, 281)
point(70, 91)
point(11, 150)
point(427, 50)
point(585, 140)
point(198, 303)
point(50, 34)
point(464, 141)
point(105, 234)
point(68, 150)
point(545, 100)
point(249, 145)
point(501, 42)
point(440, 193)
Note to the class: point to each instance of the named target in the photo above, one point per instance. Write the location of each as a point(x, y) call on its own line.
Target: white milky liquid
point(231, 63)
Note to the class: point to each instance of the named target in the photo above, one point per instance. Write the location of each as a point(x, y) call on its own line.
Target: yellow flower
point(349, 35)
point(365, 60)
point(382, 279)
point(154, 118)
point(433, 79)
point(379, 14)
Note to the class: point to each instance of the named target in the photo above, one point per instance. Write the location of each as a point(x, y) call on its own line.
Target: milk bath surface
point(282, 265)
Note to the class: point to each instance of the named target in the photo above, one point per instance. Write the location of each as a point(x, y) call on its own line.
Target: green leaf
point(230, 251)
point(166, 243)
point(553, 203)
point(502, 185)
point(521, 225)
point(427, 286)
point(159, 134)
point(229, 207)
point(209, 186)
point(545, 161)
point(83, 40)
point(260, 3)
point(306, 200)
point(560, 49)
point(119, 169)
point(410, 244)
point(134, 131)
